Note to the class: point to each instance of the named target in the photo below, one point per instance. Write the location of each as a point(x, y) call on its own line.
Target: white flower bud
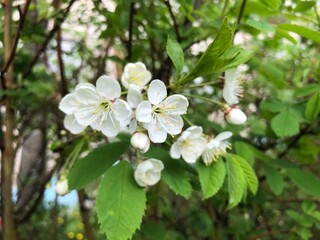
point(62, 187)
point(236, 116)
point(148, 172)
point(140, 141)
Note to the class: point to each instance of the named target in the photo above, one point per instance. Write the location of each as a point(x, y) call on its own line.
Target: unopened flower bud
point(140, 141)
point(62, 187)
point(148, 172)
point(236, 116)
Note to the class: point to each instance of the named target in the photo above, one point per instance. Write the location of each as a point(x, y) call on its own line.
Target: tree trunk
point(8, 154)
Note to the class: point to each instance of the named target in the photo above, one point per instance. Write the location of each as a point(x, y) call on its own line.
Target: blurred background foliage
point(63, 43)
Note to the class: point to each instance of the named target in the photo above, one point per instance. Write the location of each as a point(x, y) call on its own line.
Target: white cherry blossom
point(68, 105)
point(162, 113)
point(100, 106)
point(189, 145)
point(232, 89)
point(148, 172)
point(216, 147)
point(134, 98)
point(236, 116)
point(135, 75)
point(140, 141)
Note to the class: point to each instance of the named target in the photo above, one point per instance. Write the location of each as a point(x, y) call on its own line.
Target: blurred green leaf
point(302, 31)
point(286, 123)
point(175, 53)
point(274, 179)
point(313, 107)
point(261, 26)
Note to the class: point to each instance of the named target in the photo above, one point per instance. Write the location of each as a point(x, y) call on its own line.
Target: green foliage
point(175, 52)
point(301, 30)
point(274, 179)
point(120, 203)
point(305, 180)
point(211, 177)
point(313, 107)
point(173, 174)
point(236, 181)
point(96, 163)
point(261, 26)
point(286, 123)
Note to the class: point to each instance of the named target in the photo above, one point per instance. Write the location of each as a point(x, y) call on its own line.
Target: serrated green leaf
point(97, 162)
point(302, 31)
point(250, 177)
point(305, 180)
point(286, 123)
point(173, 173)
point(261, 26)
point(120, 203)
point(313, 107)
point(236, 181)
point(245, 151)
point(211, 177)
point(274, 179)
point(175, 53)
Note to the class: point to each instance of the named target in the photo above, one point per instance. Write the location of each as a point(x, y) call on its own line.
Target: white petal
point(121, 109)
point(135, 75)
point(86, 114)
point(157, 92)
point(157, 164)
point(195, 131)
point(193, 150)
point(175, 150)
point(68, 103)
point(230, 88)
point(171, 123)
point(87, 85)
point(133, 125)
point(134, 97)
point(87, 94)
point(224, 135)
point(175, 104)
point(156, 133)
point(108, 87)
point(143, 112)
point(72, 124)
point(110, 126)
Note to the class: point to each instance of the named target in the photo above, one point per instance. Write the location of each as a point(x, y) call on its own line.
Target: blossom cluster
point(150, 115)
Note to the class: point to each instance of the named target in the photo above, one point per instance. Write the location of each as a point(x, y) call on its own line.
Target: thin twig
point(51, 34)
point(175, 23)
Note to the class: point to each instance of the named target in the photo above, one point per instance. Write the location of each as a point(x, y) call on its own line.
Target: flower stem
point(201, 84)
point(124, 92)
point(220, 104)
point(187, 120)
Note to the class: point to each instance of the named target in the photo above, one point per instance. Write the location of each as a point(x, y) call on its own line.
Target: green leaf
point(120, 203)
point(274, 179)
point(211, 177)
point(302, 31)
point(97, 162)
point(307, 90)
point(249, 174)
point(286, 123)
point(306, 181)
point(274, 4)
point(284, 34)
point(236, 181)
point(173, 173)
point(303, 6)
point(313, 107)
point(261, 26)
point(175, 53)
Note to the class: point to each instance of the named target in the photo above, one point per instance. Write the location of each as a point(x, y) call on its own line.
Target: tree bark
point(8, 154)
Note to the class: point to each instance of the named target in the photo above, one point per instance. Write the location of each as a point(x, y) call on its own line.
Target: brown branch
point(243, 5)
point(175, 23)
point(9, 61)
point(129, 43)
point(51, 34)
point(85, 215)
point(269, 234)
